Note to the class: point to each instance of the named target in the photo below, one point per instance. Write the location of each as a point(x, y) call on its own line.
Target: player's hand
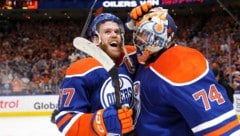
point(139, 11)
point(54, 113)
point(136, 13)
point(111, 120)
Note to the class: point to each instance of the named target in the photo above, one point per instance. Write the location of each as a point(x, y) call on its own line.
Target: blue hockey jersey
point(86, 88)
point(179, 96)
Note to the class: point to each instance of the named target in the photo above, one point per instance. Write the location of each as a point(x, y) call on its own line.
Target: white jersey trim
point(214, 121)
point(72, 121)
point(182, 84)
point(236, 133)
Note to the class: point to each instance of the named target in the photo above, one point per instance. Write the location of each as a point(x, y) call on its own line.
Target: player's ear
point(95, 39)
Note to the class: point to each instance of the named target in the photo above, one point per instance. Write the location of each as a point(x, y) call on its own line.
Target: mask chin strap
point(132, 67)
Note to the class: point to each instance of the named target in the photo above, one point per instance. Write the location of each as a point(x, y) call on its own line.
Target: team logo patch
point(107, 95)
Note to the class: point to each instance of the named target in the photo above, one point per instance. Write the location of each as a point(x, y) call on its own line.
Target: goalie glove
point(137, 13)
point(112, 121)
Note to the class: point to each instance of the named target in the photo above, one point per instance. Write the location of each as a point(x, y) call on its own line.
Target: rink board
point(35, 105)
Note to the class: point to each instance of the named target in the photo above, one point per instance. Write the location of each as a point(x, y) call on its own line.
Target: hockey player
point(179, 95)
point(86, 99)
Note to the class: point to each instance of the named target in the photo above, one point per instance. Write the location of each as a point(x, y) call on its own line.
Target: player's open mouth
point(114, 44)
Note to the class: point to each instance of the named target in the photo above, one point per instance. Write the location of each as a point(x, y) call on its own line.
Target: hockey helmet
point(102, 18)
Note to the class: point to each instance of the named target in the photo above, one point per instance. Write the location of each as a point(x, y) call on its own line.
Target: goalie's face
point(109, 39)
point(154, 32)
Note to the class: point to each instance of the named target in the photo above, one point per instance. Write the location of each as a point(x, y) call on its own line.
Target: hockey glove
point(55, 112)
point(137, 13)
point(112, 121)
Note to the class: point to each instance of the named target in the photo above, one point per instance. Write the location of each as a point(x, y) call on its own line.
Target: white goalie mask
point(154, 31)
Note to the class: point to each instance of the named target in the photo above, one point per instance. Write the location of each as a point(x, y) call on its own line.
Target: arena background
point(36, 48)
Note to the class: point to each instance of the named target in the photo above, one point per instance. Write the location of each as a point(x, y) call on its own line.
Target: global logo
point(107, 94)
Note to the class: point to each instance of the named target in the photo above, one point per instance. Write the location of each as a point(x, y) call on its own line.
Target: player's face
point(110, 39)
point(139, 39)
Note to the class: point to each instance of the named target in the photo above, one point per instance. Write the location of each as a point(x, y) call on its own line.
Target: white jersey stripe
point(73, 120)
point(182, 84)
point(236, 133)
point(214, 121)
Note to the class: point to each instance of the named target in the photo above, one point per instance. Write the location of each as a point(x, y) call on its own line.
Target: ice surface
point(28, 126)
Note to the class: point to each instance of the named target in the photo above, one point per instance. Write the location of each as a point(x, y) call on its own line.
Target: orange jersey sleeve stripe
point(224, 129)
point(82, 126)
point(64, 119)
point(82, 65)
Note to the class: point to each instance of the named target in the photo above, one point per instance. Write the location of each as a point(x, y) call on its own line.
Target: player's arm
point(209, 105)
point(196, 89)
point(74, 118)
point(100, 123)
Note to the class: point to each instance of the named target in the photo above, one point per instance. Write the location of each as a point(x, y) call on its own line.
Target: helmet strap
point(99, 38)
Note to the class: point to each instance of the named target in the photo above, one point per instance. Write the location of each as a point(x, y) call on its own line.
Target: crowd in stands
point(35, 54)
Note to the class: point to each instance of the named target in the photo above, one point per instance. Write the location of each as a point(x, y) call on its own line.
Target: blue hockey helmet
point(102, 18)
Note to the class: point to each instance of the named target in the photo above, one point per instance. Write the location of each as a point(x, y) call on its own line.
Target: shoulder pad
point(82, 66)
point(180, 65)
point(130, 49)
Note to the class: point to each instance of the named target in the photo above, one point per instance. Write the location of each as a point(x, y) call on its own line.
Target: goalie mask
point(103, 18)
point(154, 32)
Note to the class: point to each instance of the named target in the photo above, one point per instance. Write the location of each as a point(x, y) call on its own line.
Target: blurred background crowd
point(34, 54)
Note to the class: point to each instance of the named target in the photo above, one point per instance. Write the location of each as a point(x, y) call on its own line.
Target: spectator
point(17, 85)
point(221, 80)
